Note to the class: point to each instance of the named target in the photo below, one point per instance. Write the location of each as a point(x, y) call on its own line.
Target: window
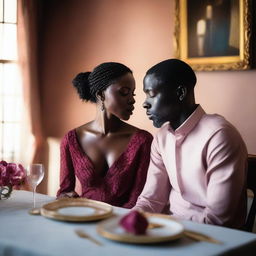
point(10, 83)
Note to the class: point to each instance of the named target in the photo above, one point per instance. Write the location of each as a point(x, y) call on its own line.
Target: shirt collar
point(189, 123)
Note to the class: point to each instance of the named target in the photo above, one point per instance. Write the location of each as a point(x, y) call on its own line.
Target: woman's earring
point(102, 106)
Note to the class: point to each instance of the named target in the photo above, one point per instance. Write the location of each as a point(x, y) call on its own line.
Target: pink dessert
point(134, 222)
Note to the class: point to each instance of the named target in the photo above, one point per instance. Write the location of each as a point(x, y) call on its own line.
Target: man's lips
point(150, 116)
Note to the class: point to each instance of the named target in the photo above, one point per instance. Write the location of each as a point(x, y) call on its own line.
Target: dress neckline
point(89, 163)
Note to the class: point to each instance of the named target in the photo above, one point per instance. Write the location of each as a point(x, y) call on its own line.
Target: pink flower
point(11, 174)
point(3, 163)
point(4, 176)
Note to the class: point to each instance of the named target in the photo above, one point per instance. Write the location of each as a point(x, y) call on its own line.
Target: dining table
point(23, 234)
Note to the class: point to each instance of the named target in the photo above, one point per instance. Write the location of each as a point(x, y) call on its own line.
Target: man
point(198, 161)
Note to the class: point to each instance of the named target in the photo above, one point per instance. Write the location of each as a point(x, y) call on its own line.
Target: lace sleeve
point(67, 176)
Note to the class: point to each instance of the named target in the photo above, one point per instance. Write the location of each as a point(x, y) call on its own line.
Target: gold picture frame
point(209, 36)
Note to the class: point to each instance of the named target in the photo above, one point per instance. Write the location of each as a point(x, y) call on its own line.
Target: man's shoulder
point(215, 122)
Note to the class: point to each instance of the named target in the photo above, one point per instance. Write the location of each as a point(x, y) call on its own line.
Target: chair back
point(251, 184)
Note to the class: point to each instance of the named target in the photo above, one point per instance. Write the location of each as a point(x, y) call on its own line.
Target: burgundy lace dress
point(122, 183)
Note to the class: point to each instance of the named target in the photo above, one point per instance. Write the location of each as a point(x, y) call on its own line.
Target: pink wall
point(78, 35)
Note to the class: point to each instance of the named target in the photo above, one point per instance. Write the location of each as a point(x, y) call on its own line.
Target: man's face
point(162, 103)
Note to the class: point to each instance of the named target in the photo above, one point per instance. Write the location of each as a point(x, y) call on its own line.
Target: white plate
point(76, 209)
point(169, 230)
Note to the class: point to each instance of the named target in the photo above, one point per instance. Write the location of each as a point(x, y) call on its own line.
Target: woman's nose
point(131, 100)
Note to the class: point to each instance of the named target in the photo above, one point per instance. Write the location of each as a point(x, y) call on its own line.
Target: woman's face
point(119, 97)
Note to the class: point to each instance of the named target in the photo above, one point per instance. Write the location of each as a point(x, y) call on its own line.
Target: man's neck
point(185, 114)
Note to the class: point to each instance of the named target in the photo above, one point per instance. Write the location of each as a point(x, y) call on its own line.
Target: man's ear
point(181, 92)
point(100, 95)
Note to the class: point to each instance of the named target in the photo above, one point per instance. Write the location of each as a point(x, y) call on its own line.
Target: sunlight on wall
point(54, 166)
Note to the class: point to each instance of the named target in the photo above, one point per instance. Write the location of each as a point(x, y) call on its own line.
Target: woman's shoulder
point(66, 139)
point(78, 130)
point(69, 134)
point(143, 134)
point(138, 132)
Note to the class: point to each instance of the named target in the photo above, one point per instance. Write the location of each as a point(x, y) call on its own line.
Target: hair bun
point(81, 83)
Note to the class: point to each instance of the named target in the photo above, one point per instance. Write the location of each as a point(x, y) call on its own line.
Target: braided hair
point(88, 84)
point(174, 71)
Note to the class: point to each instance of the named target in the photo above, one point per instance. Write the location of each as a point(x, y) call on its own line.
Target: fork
point(82, 234)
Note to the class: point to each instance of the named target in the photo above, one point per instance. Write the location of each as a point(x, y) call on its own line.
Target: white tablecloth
point(24, 234)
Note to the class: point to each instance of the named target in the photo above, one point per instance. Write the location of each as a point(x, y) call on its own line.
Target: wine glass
point(35, 173)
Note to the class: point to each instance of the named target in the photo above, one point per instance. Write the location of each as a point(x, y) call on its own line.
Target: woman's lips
point(130, 110)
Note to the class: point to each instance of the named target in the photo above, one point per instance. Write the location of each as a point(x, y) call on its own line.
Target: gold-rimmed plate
point(76, 209)
point(168, 230)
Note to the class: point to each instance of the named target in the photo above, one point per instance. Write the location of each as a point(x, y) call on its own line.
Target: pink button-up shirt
point(198, 171)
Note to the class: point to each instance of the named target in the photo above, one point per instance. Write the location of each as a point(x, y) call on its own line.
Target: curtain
point(35, 148)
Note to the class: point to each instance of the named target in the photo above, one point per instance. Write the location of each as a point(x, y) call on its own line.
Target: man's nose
point(145, 104)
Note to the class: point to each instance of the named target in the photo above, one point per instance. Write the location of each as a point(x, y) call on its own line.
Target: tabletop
point(25, 234)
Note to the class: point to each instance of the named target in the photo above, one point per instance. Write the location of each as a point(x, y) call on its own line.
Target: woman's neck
point(105, 124)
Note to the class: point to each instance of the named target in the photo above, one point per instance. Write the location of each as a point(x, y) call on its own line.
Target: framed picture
point(213, 34)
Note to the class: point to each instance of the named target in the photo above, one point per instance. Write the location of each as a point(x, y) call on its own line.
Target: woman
point(106, 159)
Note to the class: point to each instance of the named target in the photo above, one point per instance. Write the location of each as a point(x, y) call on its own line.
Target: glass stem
point(34, 197)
